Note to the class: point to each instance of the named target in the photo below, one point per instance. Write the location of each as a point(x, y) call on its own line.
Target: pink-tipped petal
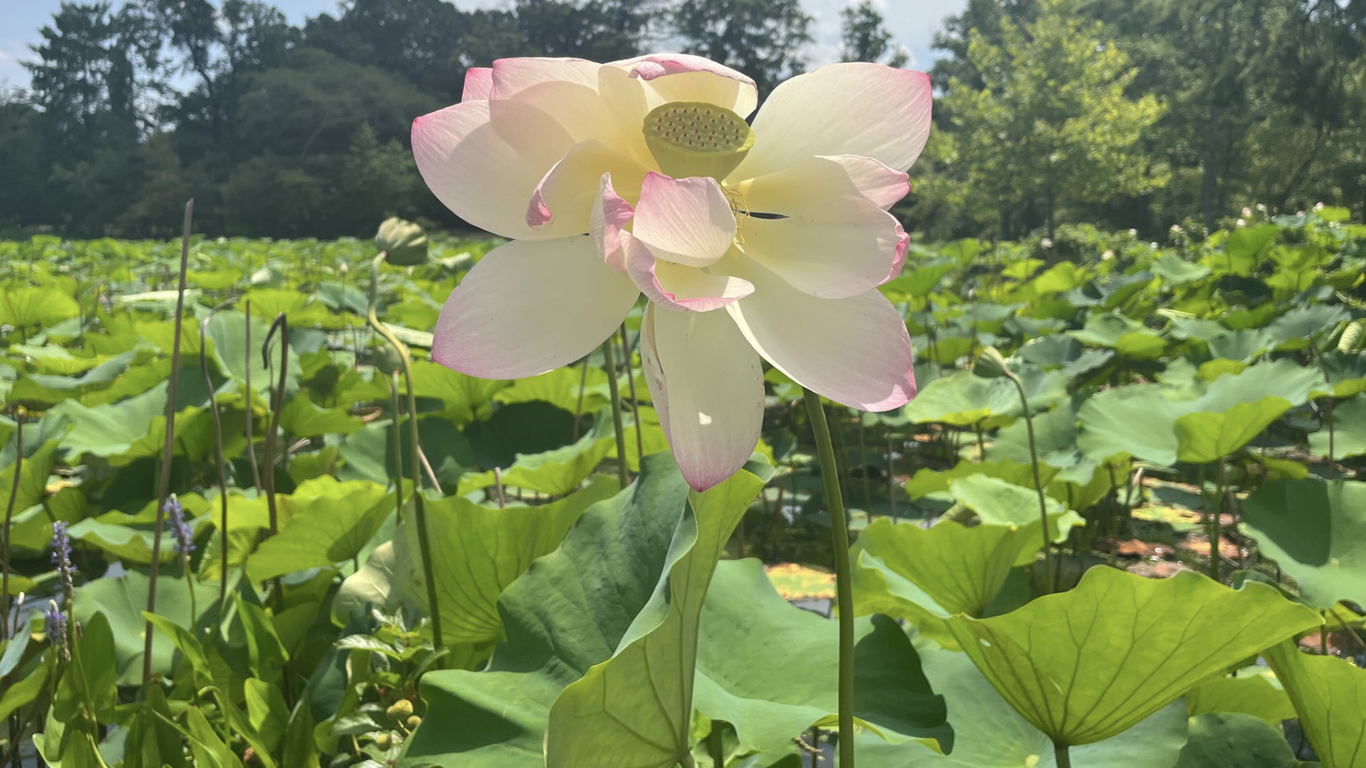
point(478, 84)
point(562, 203)
point(707, 386)
point(483, 160)
point(529, 307)
point(841, 248)
point(610, 213)
point(674, 286)
point(854, 108)
point(686, 221)
point(820, 178)
point(685, 77)
point(902, 246)
point(854, 351)
point(515, 76)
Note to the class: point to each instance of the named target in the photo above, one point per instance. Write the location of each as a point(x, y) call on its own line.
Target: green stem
point(247, 391)
point(839, 536)
point(168, 450)
point(218, 453)
point(716, 745)
point(419, 506)
point(635, 404)
point(1049, 559)
point(1061, 755)
point(610, 363)
point(9, 520)
point(397, 447)
point(1214, 526)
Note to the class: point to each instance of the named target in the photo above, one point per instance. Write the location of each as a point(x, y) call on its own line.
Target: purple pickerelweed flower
point(55, 623)
point(184, 537)
point(61, 557)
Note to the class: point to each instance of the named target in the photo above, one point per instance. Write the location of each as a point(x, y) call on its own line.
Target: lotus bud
point(990, 364)
point(388, 360)
point(400, 710)
point(404, 241)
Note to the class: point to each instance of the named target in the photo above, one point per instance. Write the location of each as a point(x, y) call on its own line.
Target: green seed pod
point(413, 722)
point(384, 741)
point(400, 710)
point(387, 359)
point(696, 139)
point(404, 241)
point(1351, 336)
point(990, 364)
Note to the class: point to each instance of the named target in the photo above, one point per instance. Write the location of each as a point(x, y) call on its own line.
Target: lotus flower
point(764, 240)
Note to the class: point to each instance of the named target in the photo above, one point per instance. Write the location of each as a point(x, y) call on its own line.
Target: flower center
point(696, 139)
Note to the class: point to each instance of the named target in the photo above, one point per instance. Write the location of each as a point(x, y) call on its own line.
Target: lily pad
point(962, 399)
point(1086, 665)
point(1234, 740)
point(320, 535)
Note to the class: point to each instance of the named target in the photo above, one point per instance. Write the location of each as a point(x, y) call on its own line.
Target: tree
point(762, 38)
point(1052, 122)
point(866, 38)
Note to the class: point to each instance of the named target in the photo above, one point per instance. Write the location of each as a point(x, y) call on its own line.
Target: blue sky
point(913, 22)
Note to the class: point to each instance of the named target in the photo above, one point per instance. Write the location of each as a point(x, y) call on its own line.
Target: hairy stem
point(615, 392)
point(1049, 558)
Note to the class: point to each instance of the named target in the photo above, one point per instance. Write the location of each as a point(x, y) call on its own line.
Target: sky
point(912, 23)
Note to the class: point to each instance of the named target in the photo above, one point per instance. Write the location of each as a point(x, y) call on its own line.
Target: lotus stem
point(839, 536)
point(168, 450)
point(1061, 755)
point(9, 520)
point(891, 478)
point(615, 392)
point(1049, 559)
point(218, 451)
point(635, 401)
point(578, 410)
point(398, 447)
point(419, 504)
point(277, 404)
point(716, 745)
point(251, 415)
point(1215, 534)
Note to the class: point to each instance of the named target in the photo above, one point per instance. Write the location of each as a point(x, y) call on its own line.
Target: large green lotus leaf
point(1234, 740)
point(963, 399)
point(121, 542)
point(560, 388)
point(301, 308)
point(920, 281)
point(1244, 345)
point(1177, 271)
point(635, 708)
point(1296, 328)
point(1136, 420)
point(368, 453)
point(1349, 431)
point(33, 476)
point(1244, 249)
point(1284, 379)
point(121, 432)
point(1346, 374)
point(568, 612)
point(556, 472)
point(24, 308)
point(319, 535)
point(1316, 532)
point(301, 417)
point(227, 336)
point(1254, 691)
point(477, 551)
point(1330, 696)
point(1087, 664)
point(1207, 437)
point(379, 582)
point(1107, 330)
point(988, 733)
point(52, 389)
point(122, 600)
point(751, 642)
point(927, 481)
point(998, 502)
point(463, 398)
point(1055, 439)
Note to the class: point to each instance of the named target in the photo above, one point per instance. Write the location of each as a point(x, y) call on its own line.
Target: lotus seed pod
point(387, 359)
point(400, 710)
point(403, 241)
point(384, 741)
point(413, 722)
point(696, 139)
point(990, 364)
point(1351, 336)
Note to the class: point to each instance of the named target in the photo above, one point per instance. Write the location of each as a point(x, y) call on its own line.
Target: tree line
point(1123, 113)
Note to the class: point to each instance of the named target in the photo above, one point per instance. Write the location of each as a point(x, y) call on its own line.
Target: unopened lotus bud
point(989, 364)
point(400, 710)
point(403, 241)
point(388, 360)
point(697, 139)
point(1351, 335)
